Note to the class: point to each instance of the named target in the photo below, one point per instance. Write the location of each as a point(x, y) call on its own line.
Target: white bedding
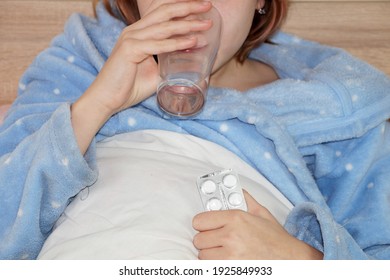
point(144, 201)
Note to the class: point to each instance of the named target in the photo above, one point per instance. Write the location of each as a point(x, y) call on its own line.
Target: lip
point(192, 50)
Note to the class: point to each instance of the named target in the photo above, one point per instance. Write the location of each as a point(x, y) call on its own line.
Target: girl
point(310, 118)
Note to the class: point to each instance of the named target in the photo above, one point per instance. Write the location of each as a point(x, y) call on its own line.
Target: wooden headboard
point(360, 26)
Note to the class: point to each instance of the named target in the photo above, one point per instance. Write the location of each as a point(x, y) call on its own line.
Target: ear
point(260, 4)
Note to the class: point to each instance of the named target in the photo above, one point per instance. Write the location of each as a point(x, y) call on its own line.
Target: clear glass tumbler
point(185, 74)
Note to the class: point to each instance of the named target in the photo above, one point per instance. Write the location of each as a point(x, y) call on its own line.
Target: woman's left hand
point(256, 234)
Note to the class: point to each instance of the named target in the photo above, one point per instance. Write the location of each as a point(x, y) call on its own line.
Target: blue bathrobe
point(319, 134)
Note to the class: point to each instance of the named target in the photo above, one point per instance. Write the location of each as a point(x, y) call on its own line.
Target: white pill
point(230, 180)
point(214, 204)
point(235, 199)
point(208, 187)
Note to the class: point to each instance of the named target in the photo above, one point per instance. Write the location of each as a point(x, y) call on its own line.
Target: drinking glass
point(185, 73)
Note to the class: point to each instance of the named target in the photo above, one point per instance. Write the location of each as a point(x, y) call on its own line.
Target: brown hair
point(263, 26)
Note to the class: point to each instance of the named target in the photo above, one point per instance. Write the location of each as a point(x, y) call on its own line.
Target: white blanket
point(144, 201)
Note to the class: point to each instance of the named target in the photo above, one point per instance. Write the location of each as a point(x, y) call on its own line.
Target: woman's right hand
point(130, 74)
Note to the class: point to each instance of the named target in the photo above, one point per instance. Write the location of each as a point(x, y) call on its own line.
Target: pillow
point(143, 204)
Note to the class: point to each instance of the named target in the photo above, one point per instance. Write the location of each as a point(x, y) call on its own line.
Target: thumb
point(256, 208)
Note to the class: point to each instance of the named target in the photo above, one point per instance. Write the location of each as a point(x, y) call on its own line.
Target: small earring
point(262, 11)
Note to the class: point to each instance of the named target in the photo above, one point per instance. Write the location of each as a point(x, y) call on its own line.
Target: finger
point(170, 45)
point(169, 11)
point(155, 4)
point(139, 50)
point(168, 29)
point(212, 254)
point(256, 208)
point(212, 220)
point(208, 239)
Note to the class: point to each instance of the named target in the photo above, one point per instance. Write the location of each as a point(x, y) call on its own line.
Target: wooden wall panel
point(362, 28)
point(26, 28)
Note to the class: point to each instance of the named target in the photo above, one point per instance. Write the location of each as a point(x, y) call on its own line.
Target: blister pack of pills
point(221, 190)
